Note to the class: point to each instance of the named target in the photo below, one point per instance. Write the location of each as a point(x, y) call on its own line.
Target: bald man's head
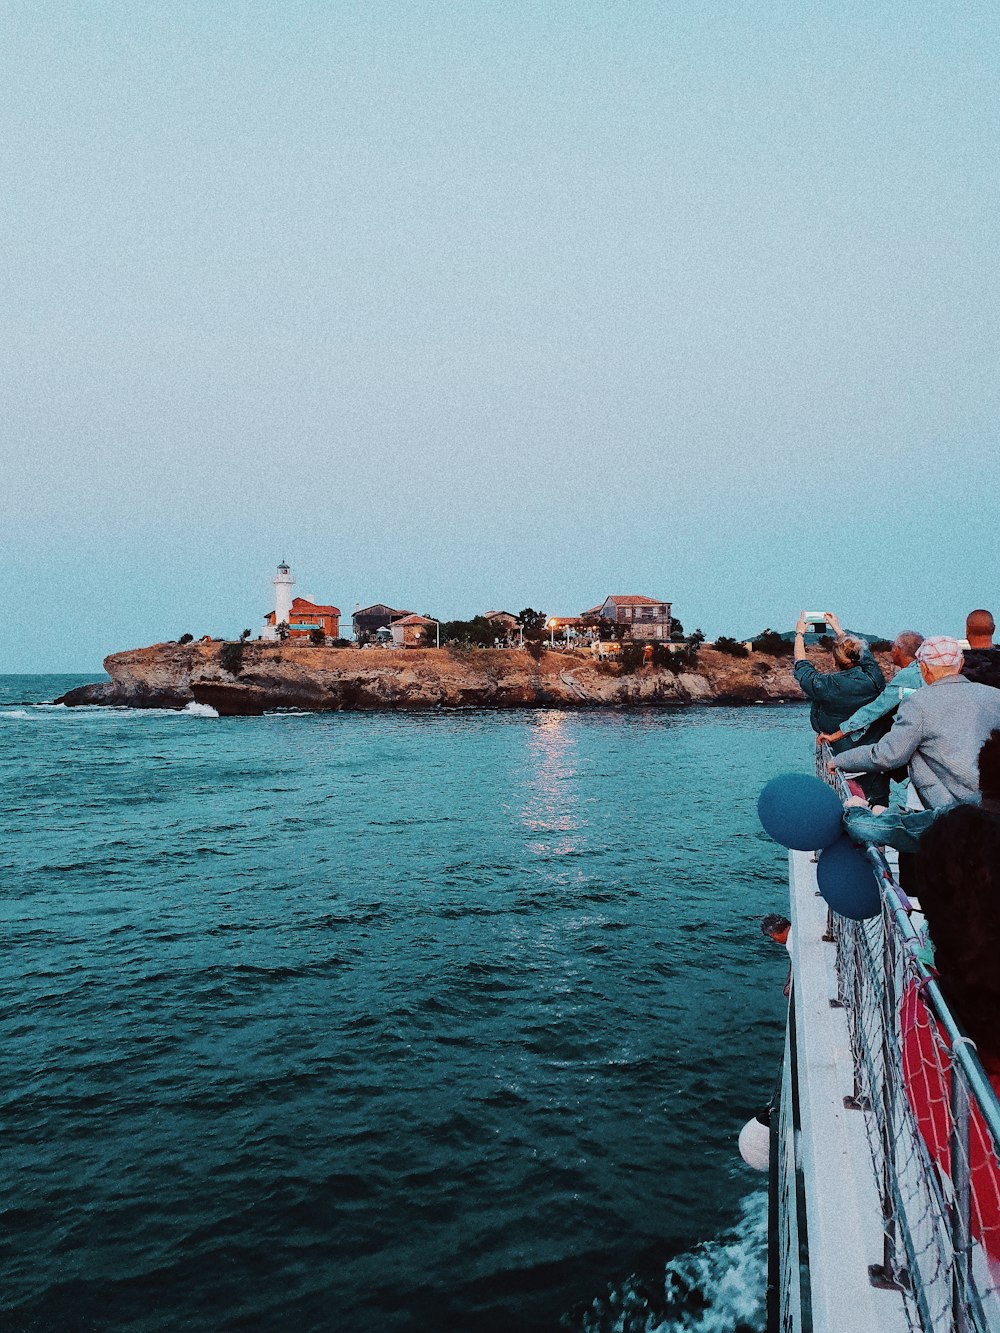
point(979, 629)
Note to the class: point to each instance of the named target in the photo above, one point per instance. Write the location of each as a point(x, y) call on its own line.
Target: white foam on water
point(718, 1287)
point(194, 709)
point(39, 711)
point(15, 712)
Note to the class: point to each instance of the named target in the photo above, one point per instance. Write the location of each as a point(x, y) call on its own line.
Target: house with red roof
point(638, 617)
point(305, 616)
point(414, 632)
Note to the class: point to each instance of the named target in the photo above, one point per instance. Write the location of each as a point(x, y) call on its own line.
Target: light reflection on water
point(553, 796)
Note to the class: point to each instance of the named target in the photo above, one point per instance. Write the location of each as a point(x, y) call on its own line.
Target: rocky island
point(260, 676)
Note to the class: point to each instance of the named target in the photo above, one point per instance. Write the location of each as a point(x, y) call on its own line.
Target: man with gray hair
point(904, 682)
point(938, 731)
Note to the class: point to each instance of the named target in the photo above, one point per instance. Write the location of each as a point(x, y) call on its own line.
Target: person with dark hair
point(982, 659)
point(957, 874)
point(989, 773)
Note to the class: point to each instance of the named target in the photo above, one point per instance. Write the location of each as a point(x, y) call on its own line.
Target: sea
point(377, 1021)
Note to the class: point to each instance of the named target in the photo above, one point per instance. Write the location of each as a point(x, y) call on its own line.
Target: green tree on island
point(733, 647)
point(769, 641)
point(475, 633)
point(532, 623)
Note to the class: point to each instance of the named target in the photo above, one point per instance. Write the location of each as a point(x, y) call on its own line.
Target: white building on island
point(302, 617)
point(283, 584)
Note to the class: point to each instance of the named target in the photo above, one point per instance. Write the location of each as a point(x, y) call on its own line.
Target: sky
point(463, 306)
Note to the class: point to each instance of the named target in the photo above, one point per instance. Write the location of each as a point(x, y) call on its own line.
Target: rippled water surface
point(373, 1021)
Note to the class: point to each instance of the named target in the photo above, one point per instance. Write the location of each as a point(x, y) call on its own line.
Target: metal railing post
point(773, 1324)
point(960, 1221)
point(889, 1273)
point(858, 1099)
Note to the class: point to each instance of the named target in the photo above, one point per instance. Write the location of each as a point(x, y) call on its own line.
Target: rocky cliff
point(273, 675)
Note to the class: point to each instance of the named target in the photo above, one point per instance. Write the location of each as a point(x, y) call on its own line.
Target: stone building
point(638, 617)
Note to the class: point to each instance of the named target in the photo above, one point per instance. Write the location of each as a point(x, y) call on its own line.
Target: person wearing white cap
point(938, 731)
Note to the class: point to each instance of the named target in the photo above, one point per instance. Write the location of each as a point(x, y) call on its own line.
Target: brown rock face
point(276, 675)
point(154, 677)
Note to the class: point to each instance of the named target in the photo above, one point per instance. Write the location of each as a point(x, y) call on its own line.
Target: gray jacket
point(938, 732)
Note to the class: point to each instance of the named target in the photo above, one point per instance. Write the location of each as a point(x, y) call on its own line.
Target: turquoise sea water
point(373, 1021)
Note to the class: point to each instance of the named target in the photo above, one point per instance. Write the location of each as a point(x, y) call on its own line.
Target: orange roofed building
point(304, 617)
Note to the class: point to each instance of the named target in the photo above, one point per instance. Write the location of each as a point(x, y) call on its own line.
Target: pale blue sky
point(466, 305)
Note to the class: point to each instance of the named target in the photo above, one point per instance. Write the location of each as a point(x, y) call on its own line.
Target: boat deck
point(839, 1200)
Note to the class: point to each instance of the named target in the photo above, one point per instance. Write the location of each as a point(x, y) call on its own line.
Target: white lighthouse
point(283, 583)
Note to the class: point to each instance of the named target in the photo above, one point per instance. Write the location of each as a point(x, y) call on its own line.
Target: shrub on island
point(475, 633)
point(769, 641)
point(731, 647)
point(231, 658)
point(631, 658)
point(680, 659)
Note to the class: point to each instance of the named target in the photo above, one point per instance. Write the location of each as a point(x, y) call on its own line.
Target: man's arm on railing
point(894, 749)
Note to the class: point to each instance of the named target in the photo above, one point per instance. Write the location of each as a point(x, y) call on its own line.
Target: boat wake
point(718, 1287)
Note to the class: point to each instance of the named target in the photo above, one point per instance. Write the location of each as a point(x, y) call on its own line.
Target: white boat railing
point(788, 1262)
point(931, 1116)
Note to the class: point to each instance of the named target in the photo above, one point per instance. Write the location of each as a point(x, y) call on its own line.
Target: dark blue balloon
point(847, 881)
point(800, 812)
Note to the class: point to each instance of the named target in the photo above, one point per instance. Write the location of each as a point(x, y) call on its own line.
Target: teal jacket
point(904, 682)
point(836, 695)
